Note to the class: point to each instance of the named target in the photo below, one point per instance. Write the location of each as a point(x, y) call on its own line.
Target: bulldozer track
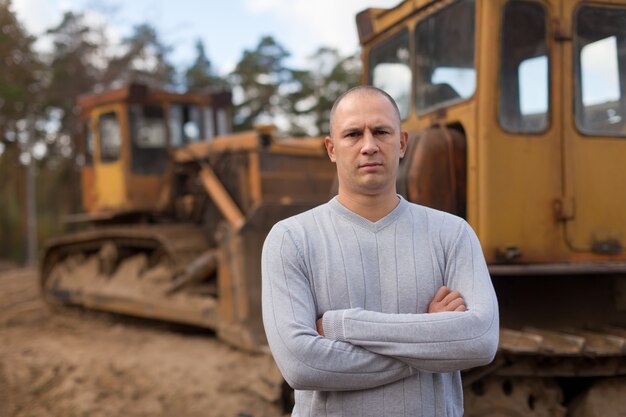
point(129, 271)
point(605, 341)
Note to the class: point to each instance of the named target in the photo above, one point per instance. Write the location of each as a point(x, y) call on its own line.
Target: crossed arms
point(445, 300)
point(363, 349)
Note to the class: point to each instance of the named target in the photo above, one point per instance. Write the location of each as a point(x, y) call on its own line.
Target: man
point(372, 305)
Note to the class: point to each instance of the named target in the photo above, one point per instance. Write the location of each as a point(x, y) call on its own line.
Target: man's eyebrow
point(351, 130)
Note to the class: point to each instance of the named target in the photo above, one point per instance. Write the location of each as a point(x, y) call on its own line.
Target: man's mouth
point(370, 164)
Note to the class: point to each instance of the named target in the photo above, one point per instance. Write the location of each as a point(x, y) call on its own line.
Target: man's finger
point(441, 294)
point(453, 295)
point(454, 304)
point(462, 307)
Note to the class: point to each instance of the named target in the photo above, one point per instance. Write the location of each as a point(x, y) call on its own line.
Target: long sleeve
point(307, 360)
point(438, 342)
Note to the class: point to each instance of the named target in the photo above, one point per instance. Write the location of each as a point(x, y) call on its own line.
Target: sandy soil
point(82, 364)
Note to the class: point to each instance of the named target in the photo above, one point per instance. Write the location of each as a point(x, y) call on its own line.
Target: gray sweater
point(372, 282)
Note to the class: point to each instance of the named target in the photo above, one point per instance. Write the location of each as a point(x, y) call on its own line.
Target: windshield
point(601, 70)
point(524, 67)
point(148, 139)
point(110, 137)
point(444, 56)
point(185, 124)
point(390, 70)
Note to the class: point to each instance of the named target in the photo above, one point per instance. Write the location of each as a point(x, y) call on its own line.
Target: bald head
point(363, 89)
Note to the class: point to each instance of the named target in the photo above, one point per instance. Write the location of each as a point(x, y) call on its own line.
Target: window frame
point(404, 31)
point(414, 39)
point(177, 136)
point(577, 104)
point(101, 154)
point(549, 109)
point(143, 158)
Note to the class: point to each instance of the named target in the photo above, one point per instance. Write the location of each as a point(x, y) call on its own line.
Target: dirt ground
point(83, 364)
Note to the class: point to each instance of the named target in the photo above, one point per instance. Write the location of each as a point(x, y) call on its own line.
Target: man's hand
point(446, 300)
point(319, 326)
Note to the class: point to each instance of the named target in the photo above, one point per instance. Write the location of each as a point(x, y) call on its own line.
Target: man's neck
point(371, 207)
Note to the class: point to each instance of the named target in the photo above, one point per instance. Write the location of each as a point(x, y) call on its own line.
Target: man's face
point(366, 144)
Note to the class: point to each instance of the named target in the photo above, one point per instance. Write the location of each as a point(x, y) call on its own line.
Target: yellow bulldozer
point(516, 111)
point(178, 210)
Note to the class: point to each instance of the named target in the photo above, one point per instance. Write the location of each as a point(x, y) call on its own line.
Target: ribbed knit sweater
point(382, 354)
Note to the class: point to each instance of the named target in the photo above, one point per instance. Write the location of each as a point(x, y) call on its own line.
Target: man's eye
point(381, 132)
point(353, 134)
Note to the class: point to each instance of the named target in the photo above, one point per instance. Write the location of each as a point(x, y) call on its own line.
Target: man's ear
point(404, 137)
point(330, 148)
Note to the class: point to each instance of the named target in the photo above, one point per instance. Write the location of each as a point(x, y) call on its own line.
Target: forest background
point(39, 117)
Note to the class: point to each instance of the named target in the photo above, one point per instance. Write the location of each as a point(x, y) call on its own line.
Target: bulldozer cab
point(127, 135)
point(517, 116)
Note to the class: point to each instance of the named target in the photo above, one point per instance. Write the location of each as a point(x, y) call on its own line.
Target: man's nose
point(370, 145)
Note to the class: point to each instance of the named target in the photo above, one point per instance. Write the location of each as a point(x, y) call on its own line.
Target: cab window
point(390, 69)
point(209, 125)
point(110, 137)
point(185, 123)
point(600, 65)
point(523, 105)
point(148, 135)
point(444, 56)
point(223, 122)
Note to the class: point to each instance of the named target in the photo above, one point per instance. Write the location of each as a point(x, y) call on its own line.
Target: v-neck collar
point(361, 221)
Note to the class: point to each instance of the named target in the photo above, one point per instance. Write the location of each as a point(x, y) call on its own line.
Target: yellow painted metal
point(110, 177)
point(515, 180)
point(518, 175)
point(595, 166)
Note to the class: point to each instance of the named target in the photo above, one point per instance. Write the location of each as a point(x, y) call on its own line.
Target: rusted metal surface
point(566, 352)
point(519, 342)
point(197, 270)
point(221, 198)
point(252, 141)
point(566, 342)
point(434, 170)
point(558, 268)
point(558, 343)
point(600, 344)
point(128, 270)
point(142, 93)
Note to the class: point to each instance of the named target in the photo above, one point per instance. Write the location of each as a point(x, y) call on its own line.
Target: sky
point(227, 28)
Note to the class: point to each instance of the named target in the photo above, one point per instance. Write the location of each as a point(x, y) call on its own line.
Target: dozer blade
point(158, 272)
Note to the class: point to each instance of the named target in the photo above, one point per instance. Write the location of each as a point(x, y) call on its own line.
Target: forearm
point(439, 342)
point(310, 362)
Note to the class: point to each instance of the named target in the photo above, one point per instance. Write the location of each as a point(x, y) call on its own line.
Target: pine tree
point(201, 76)
point(260, 75)
point(20, 105)
point(22, 72)
point(331, 75)
point(72, 70)
point(144, 61)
